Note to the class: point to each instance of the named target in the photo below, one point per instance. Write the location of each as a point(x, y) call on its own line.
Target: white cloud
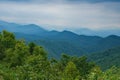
point(63, 15)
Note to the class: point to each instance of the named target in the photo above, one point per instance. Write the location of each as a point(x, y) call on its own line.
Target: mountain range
point(56, 42)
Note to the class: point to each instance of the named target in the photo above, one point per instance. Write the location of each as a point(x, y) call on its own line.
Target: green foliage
point(106, 59)
point(70, 72)
point(83, 66)
point(2, 49)
point(39, 50)
point(30, 62)
point(16, 56)
point(111, 74)
point(94, 73)
point(8, 39)
point(31, 47)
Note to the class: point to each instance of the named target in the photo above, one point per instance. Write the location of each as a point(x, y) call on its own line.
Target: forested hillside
point(19, 61)
point(107, 58)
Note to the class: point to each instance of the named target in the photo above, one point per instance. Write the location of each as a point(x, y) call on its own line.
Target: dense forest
point(106, 58)
point(21, 61)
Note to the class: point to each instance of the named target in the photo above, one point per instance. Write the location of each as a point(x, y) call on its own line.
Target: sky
point(63, 14)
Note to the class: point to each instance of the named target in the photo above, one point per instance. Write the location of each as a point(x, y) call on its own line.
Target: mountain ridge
point(65, 41)
point(79, 31)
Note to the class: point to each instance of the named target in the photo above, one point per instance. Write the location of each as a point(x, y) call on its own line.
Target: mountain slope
point(107, 58)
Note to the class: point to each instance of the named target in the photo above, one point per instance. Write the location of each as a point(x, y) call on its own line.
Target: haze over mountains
point(33, 29)
point(56, 42)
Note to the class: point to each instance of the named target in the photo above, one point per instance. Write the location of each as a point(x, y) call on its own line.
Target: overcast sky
point(63, 14)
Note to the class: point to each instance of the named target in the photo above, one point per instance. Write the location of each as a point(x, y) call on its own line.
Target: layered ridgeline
point(61, 42)
point(19, 61)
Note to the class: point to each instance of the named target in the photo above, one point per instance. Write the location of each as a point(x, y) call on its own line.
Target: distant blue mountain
point(35, 29)
point(102, 33)
point(65, 41)
point(27, 29)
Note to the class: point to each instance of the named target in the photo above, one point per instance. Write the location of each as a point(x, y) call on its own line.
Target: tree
point(31, 47)
point(83, 65)
point(2, 49)
point(39, 51)
point(65, 59)
point(38, 67)
point(112, 74)
point(8, 39)
point(16, 56)
point(70, 72)
point(95, 73)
